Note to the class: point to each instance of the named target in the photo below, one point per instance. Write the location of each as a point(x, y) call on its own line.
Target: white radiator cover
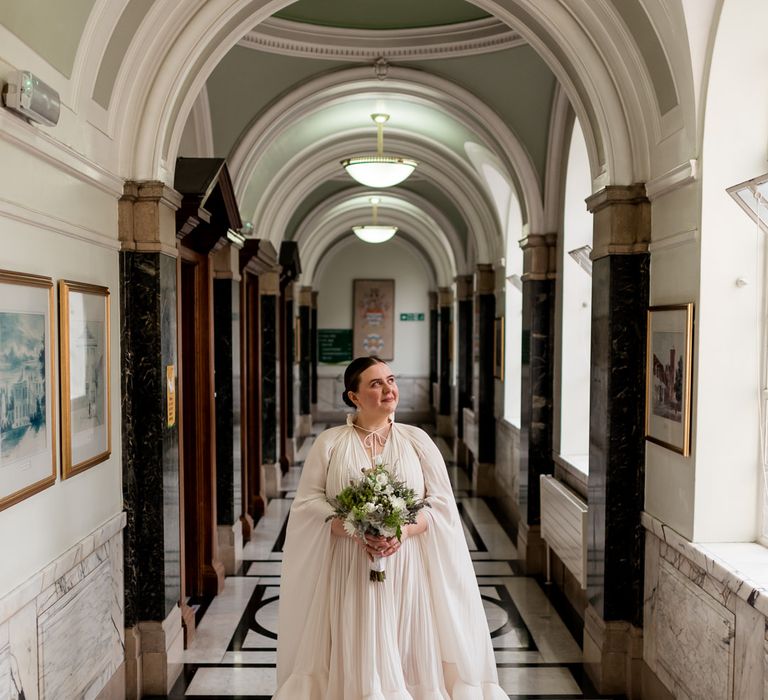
point(564, 526)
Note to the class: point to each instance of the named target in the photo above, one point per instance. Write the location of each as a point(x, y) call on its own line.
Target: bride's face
point(377, 392)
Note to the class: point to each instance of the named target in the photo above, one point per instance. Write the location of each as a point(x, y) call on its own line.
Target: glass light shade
point(374, 234)
point(379, 171)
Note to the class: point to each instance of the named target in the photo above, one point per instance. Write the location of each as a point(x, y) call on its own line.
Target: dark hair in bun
point(352, 375)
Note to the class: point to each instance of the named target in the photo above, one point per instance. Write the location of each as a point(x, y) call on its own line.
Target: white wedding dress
point(422, 633)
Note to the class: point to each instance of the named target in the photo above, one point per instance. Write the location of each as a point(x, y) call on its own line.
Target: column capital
point(464, 286)
point(432, 300)
point(314, 299)
point(147, 217)
point(269, 283)
point(622, 220)
point(305, 296)
point(444, 296)
point(226, 263)
point(484, 279)
point(539, 256)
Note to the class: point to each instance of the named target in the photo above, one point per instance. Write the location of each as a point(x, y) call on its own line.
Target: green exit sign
point(411, 317)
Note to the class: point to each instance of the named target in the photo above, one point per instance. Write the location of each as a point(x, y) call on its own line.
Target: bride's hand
point(392, 544)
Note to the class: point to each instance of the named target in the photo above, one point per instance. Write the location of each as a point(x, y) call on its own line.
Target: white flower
point(378, 460)
point(398, 504)
point(370, 507)
point(388, 490)
point(382, 479)
point(349, 525)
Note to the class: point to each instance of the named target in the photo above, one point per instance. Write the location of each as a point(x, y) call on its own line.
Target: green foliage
point(376, 504)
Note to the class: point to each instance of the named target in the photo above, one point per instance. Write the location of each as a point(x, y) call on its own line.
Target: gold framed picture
point(27, 415)
point(84, 334)
point(374, 322)
point(669, 355)
point(498, 348)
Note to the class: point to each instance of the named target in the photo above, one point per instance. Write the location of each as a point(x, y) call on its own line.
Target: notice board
point(334, 345)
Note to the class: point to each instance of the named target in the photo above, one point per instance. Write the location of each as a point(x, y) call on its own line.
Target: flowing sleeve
point(304, 579)
point(462, 625)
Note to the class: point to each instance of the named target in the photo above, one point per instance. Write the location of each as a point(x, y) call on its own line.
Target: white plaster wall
point(669, 477)
point(358, 260)
point(55, 224)
point(728, 482)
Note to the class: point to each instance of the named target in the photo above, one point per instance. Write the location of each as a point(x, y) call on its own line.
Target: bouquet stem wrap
point(378, 567)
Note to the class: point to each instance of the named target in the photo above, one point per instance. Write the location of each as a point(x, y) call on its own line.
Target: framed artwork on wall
point(498, 348)
point(27, 429)
point(668, 377)
point(374, 322)
point(85, 376)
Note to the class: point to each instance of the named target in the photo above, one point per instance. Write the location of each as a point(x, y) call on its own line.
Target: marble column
point(620, 292)
point(483, 392)
point(433, 350)
point(269, 296)
point(444, 418)
point(539, 270)
point(150, 440)
point(227, 375)
point(465, 408)
point(305, 361)
point(313, 352)
point(287, 376)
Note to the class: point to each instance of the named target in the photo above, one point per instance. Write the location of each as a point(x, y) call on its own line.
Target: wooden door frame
point(202, 572)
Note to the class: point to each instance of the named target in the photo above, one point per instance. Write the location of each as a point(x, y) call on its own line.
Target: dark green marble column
point(269, 297)
point(444, 417)
point(484, 392)
point(227, 375)
point(620, 294)
point(305, 360)
point(313, 350)
point(536, 390)
point(433, 349)
point(150, 440)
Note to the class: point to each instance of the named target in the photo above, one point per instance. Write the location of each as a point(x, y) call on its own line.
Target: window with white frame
point(574, 301)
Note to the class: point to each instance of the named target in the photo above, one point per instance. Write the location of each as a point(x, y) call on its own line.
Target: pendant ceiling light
point(378, 170)
point(374, 233)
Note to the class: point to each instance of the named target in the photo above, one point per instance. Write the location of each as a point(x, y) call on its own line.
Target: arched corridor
point(233, 654)
point(568, 280)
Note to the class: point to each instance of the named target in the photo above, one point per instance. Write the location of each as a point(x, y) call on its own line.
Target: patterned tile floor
point(233, 654)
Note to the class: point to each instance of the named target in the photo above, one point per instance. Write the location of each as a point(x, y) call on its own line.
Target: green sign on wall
point(412, 317)
point(334, 345)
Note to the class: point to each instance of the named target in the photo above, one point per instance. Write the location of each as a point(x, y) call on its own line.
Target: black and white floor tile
point(233, 654)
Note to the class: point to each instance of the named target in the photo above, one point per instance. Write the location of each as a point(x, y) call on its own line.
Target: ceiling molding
point(411, 213)
point(419, 86)
point(675, 178)
point(289, 38)
point(558, 142)
point(301, 174)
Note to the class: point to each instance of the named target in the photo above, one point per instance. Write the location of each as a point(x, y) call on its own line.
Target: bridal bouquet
point(377, 504)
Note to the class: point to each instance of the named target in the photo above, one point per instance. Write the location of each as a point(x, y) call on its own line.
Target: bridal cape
point(422, 634)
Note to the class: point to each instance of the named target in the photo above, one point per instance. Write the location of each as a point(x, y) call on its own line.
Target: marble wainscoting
point(413, 407)
point(705, 621)
point(507, 469)
point(61, 632)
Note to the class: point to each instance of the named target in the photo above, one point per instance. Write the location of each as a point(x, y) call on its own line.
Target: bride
point(422, 633)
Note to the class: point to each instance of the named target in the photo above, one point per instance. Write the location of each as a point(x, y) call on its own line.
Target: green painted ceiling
point(441, 201)
point(56, 39)
point(245, 82)
point(392, 14)
point(516, 83)
point(324, 191)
